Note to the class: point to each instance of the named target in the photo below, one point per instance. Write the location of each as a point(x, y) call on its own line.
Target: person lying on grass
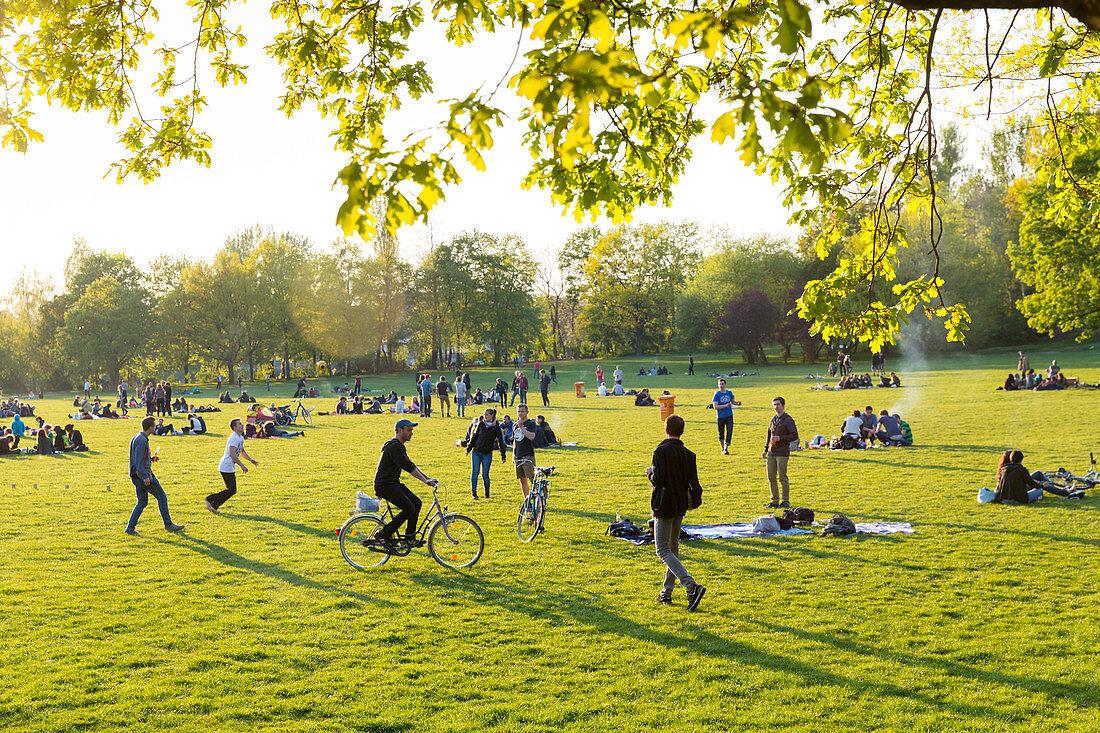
point(1016, 486)
point(273, 432)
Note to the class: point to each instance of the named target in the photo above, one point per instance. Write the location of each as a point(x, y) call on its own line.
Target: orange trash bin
point(668, 405)
point(579, 386)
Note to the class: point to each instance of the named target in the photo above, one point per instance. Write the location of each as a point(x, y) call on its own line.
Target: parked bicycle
point(532, 512)
point(454, 540)
point(1067, 480)
point(285, 416)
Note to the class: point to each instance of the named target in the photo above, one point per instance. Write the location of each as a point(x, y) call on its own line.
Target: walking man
point(524, 385)
point(544, 387)
point(676, 490)
point(87, 388)
point(777, 450)
point(145, 482)
point(444, 390)
point(691, 365)
point(523, 449)
point(426, 396)
point(388, 486)
point(234, 451)
point(723, 403)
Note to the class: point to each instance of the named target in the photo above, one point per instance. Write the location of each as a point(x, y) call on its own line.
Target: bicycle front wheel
point(528, 525)
point(456, 541)
point(358, 538)
point(307, 417)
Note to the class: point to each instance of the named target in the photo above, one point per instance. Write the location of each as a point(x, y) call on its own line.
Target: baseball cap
point(404, 423)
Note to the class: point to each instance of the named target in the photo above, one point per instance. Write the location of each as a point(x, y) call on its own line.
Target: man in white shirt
point(461, 397)
point(234, 451)
point(618, 375)
point(87, 389)
point(399, 406)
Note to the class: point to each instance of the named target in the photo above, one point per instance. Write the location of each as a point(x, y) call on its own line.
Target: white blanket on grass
point(884, 528)
point(736, 530)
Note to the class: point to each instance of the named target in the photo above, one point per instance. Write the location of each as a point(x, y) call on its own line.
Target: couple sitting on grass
point(1016, 486)
point(195, 426)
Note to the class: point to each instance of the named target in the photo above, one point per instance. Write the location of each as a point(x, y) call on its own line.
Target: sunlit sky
point(278, 173)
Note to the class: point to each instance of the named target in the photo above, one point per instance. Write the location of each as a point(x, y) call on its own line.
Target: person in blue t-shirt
point(723, 403)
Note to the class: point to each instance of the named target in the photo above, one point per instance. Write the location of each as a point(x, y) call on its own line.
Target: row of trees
point(1018, 255)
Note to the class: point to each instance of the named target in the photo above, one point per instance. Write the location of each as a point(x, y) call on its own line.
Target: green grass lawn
point(984, 620)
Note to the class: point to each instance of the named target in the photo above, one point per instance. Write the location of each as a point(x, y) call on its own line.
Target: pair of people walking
point(146, 483)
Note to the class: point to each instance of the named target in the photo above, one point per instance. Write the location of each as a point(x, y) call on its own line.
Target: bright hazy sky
point(278, 173)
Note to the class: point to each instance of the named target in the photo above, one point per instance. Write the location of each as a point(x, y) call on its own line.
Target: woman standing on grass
point(485, 437)
point(234, 451)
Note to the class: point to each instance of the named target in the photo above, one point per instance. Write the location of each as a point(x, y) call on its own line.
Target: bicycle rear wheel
point(456, 541)
point(527, 524)
point(357, 538)
point(281, 418)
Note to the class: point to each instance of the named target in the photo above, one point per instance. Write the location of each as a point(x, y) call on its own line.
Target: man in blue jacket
point(141, 473)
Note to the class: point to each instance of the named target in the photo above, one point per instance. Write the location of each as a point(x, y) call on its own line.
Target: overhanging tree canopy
point(614, 96)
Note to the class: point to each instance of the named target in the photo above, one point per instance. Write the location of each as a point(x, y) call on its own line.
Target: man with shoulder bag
point(676, 489)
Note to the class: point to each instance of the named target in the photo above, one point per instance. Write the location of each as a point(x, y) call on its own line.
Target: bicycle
point(285, 416)
point(1067, 480)
point(454, 540)
point(532, 512)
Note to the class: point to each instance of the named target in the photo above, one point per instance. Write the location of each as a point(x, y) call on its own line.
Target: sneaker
point(131, 532)
point(664, 597)
point(772, 505)
point(695, 595)
point(413, 542)
point(210, 508)
point(784, 505)
point(1076, 495)
point(174, 527)
point(475, 497)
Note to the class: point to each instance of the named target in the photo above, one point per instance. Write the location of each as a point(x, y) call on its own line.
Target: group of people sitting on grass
point(12, 407)
point(244, 397)
point(653, 372)
point(864, 429)
point(863, 381)
point(268, 430)
point(645, 399)
point(1028, 379)
point(194, 425)
point(358, 406)
point(49, 439)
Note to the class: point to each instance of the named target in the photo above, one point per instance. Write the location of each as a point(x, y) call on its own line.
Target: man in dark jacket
point(781, 433)
point(388, 486)
point(676, 489)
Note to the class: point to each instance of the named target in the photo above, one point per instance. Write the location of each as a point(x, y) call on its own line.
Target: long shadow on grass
point(586, 612)
point(227, 557)
point(1004, 530)
point(1082, 694)
point(787, 547)
point(293, 526)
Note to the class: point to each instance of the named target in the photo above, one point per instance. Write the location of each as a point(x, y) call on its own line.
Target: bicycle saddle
point(545, 470)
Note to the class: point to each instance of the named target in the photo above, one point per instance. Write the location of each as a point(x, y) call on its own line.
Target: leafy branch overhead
point(834, 100)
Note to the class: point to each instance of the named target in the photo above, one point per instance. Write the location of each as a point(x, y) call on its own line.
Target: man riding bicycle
point(388, 486)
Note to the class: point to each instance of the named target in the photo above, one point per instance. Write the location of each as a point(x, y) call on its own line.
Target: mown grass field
point(984, 620)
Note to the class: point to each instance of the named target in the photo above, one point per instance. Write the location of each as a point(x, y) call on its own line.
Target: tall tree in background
point(633, 276)
point(508, 316)
point(107, 328)
point(1057, 252)
point(748, 322)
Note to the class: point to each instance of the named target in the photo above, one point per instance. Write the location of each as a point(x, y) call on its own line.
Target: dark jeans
point(217, 499)
point(405, 500)
point(480, 462)
point(725, 430)
point(503, 399)
point(143, 492)
point(545, 399)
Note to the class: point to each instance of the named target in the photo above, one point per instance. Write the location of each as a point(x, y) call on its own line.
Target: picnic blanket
point(735, 531)
point(884, 528)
